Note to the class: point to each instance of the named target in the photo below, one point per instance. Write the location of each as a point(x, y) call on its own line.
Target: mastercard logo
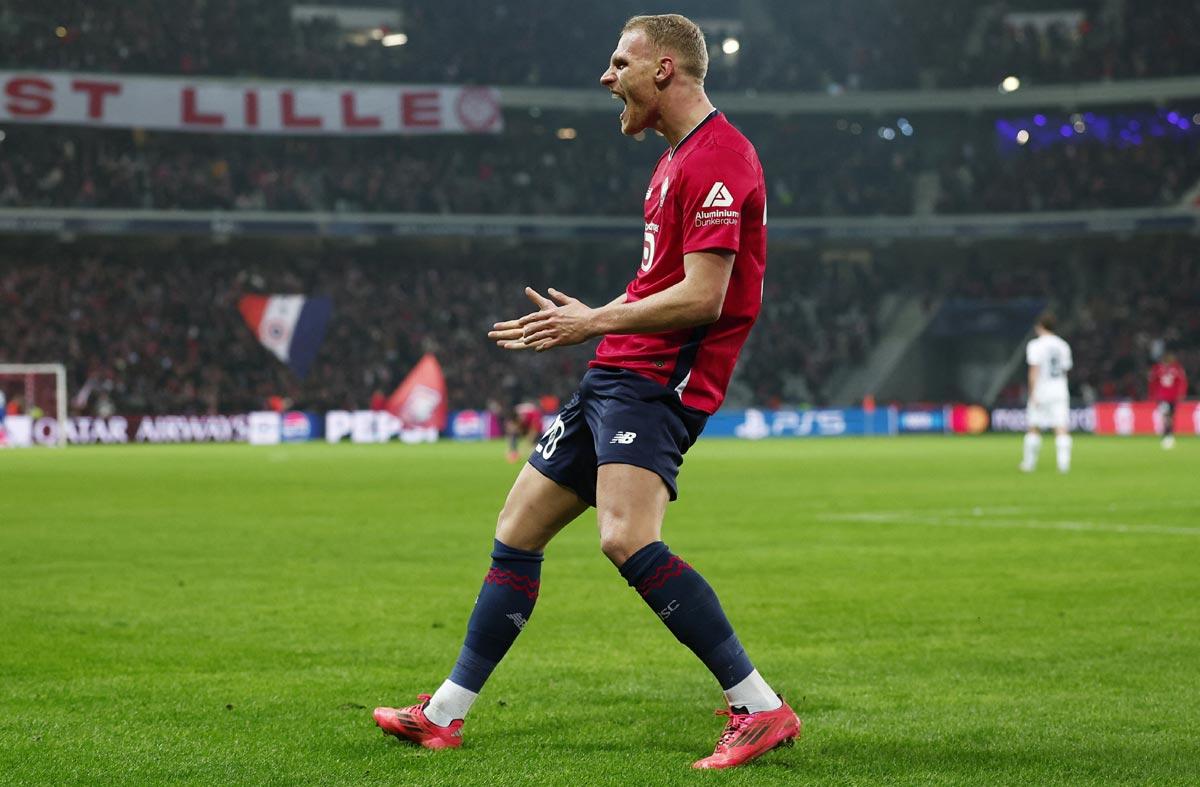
point(968, 419)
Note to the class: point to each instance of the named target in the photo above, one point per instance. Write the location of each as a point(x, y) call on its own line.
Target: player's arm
point(1033, 377)
point(563, 321)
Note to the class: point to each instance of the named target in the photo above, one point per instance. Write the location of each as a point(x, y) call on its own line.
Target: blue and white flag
point(290, 326)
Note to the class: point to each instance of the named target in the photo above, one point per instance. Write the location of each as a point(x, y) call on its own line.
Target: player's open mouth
point(624, 103)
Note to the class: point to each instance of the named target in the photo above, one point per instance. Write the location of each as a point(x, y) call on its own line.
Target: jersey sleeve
point(1032, 356)
point(716, 186)
point(1068, 360)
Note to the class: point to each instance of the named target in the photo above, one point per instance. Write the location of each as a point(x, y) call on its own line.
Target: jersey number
point(1054, 367)
point(549, 442)
point(647, 251)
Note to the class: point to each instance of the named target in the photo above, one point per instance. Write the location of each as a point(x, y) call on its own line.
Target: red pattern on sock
point(523, 584)
point(663, 574)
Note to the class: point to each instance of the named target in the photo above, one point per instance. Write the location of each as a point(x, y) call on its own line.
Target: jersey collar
point(687, 136)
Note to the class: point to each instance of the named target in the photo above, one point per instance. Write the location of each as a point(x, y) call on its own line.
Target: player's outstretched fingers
point(506, 335)
point(539, 300)
point(533, 317)
point(560, 297)
point(533, 336)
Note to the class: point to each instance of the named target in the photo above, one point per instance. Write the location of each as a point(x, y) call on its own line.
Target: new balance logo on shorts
point(624, 438)
point(718, 197)
point(518, 620)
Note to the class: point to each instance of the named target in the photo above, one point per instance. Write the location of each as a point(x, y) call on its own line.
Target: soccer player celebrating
point(1049, 404)
point(670, 344)
point(1168, 386)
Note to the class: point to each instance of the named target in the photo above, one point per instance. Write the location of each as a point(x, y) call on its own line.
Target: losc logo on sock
point(666, 611)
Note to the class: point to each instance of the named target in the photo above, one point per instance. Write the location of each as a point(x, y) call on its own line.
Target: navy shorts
point(617, 417)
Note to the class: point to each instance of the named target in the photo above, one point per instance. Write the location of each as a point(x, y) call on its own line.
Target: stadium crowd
point(150, 327)
point(153, 326)
point(828, 45)
point(529, 170)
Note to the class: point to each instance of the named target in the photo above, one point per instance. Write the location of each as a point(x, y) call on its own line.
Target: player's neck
point(679, 121)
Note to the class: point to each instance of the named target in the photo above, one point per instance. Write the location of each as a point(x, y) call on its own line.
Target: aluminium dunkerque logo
point(712, 213)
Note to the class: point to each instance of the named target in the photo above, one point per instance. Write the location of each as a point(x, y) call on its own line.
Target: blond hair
point(678, 34)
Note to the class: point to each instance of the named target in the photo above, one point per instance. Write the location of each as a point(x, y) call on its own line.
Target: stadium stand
point(528, 170)
point(153, 327)
point(149, 325)
point(831, 46)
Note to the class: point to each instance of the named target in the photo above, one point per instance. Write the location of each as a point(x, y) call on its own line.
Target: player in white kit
point(1049, 406)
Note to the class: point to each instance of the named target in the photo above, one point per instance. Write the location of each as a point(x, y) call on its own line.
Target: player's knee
point(617, 539)
point(509, 530)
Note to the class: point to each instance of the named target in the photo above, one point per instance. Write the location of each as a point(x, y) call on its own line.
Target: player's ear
point(665, 72)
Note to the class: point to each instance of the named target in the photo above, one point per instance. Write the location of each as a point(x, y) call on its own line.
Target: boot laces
point(735, 724)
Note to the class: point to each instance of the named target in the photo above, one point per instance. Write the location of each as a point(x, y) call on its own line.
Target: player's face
point(630, 78)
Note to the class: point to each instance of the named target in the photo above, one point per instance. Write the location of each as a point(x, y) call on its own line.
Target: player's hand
point(560, 322)
point(510, 334)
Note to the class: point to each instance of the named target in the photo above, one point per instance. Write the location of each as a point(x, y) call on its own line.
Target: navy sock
point(503, 608)
point(689, 607)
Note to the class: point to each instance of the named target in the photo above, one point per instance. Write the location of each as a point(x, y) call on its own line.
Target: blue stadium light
point(1039, 120)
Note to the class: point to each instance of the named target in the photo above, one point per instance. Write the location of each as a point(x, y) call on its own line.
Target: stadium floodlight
point(394, 39)
point(1022, 137)
point(731, 45)
point(1010, 84)
point(42, 386)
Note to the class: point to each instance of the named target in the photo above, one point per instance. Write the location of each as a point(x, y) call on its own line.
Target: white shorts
point(1053, 414)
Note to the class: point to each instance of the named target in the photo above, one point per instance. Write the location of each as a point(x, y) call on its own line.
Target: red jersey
point(706, 194)
point(1168, 382)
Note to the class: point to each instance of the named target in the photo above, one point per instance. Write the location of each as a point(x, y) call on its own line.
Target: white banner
point(245, 106)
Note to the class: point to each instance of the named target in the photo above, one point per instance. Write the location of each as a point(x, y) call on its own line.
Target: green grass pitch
point(230, 615)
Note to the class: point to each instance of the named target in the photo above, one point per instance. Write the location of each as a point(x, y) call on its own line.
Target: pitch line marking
point(902, 518)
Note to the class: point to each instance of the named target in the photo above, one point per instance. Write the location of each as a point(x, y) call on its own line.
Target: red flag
point(420, 401)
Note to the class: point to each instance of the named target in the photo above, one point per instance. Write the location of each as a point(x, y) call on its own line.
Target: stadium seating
point(155, 329)
point(528, 170)
point(834, 46)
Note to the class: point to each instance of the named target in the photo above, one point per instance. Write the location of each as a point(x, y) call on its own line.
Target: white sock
point(448, 703)
point(753, 694)
point(1062, 444)
point(1033, 445)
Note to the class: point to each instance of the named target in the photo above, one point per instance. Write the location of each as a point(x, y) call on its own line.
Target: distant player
point(670, 344)
point(1168, 386)
point(524, 421)
point(1049, 404)
point(3, 412)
